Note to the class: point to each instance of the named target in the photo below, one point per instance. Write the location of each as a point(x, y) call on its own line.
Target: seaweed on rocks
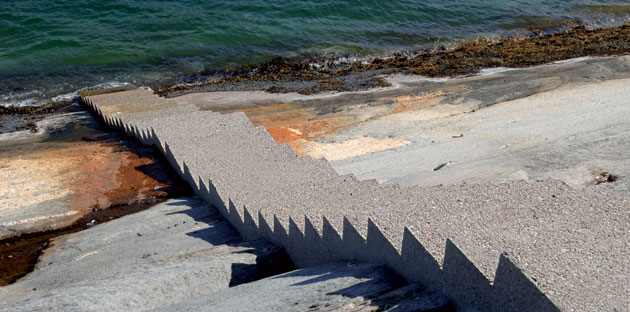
point(16, 118)
point(309, 74)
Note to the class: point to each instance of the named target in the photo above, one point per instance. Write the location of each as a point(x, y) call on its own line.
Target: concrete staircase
point(181, 255)
point(487, 247)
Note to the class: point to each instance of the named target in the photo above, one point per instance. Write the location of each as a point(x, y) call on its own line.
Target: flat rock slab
point(71, 166)
point(322, 288)
point(174, 251)
point(572, 133)
point(410, 298)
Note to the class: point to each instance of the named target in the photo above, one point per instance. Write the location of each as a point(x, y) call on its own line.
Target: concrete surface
point(175, 251)
point(518, 246)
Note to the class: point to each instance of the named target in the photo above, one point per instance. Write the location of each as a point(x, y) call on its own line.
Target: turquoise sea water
point(50, 48)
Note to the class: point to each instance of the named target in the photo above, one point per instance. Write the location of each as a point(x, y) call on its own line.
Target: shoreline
point(310, 74)
point(488, 175)
point(313, 74)
point(390, 113)
point(319, 125)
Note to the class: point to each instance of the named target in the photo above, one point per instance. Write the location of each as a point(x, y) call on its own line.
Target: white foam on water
point(34, 97)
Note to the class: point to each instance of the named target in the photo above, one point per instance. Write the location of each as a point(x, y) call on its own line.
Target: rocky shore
point(310, 74)
point(543, 141)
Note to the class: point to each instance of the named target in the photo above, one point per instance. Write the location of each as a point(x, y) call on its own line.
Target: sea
point(50, 50)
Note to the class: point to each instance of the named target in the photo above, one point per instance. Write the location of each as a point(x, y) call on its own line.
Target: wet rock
point(409, 298)
point(109, 267)
point(55, 178)
point(321, 288)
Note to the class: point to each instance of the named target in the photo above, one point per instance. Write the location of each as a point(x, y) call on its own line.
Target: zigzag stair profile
point(318, 216)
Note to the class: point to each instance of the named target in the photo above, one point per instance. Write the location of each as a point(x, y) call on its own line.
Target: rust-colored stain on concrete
point(284, 134)
point(92, 169)
point(300, 126)
point(59, 188)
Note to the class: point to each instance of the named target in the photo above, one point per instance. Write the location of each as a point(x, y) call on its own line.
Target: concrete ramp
point(507, 247)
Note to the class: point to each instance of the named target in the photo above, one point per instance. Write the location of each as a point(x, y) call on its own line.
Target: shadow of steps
point(329, 287)
point(172, 252)
point(405, 299)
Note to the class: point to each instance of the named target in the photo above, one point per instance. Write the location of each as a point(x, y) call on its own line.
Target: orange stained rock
point(407, 102)
point(86, 175)
point(284, 134)
point(299, 126)
point(76, 177)
point(133, 183)
point(301, 123)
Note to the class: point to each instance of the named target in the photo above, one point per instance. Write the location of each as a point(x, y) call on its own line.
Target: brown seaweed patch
point(25, 110)
point(31, 126)
point(470, 57)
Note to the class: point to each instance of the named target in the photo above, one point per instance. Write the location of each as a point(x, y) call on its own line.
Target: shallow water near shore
point(50, 50)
